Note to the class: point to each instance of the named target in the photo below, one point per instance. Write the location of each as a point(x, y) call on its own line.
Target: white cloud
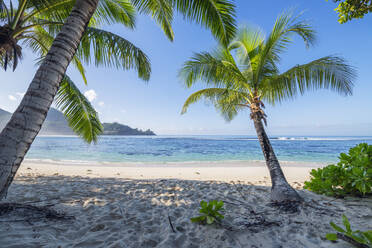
point(101, 104)
point(20, 94)
point(12, 98)
point(91, 95)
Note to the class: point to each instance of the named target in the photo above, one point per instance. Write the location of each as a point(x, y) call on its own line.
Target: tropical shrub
point(357, 238)
point(210, 212)
point(351, 176)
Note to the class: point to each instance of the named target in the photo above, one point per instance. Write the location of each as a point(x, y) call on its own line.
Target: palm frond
point(111, 50)
point(330, 72)
point(161, 11)
point(246, 43)
point(286, 25)
point(228, 102)
point(115, 11)
point(211, 69)
point(216, 15)
point(79, 66)
point(210, 94)
point(78, 111)
point(108, 11)
point(4, 12)
point(54, 10)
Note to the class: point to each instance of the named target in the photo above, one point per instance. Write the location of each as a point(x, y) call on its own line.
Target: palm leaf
point(216, 15)
point(108, 11)
point(78, 111)
point(211, 69)
point(210, 94)
point(246, 44)
point(4, 13)
point(329, 72)
point(227, 101)
point(111, 50)
point(115, 11)
point(161, 11)
point(277, 42)
point(55, 10)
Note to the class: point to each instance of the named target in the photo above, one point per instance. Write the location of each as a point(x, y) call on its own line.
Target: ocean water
point(171, 149)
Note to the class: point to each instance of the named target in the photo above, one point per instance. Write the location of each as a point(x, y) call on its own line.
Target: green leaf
point(203, 204)
point(337, 228)
point(368, 235)
point(359, 238)
point(210, 220)
point(331, 236)
point(198, 219)
point(346, 223)
point(209, 212)
point(78, 111)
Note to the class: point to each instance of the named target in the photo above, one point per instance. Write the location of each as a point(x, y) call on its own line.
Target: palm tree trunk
point(281, 191)
point(25, 123)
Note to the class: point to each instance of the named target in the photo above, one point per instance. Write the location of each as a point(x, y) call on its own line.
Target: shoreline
point(253, 172)
point(219, 163)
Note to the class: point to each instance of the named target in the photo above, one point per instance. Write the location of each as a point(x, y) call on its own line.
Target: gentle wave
point(321, 138)
point(217, 137)
point(232, 163)
point(178, 149)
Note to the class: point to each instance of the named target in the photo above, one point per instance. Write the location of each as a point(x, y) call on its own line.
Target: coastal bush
point(351, 176)
point(210, 212)
point(357, 238)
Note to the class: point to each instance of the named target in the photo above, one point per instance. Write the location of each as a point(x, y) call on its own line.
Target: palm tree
point(19, 133)
point(246, 74)
point(34, 23)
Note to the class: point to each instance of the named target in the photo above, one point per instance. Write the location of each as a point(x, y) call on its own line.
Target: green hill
point(120, 129)
point(56, 124)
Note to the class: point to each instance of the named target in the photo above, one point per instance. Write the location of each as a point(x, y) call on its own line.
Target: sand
point(130, 206)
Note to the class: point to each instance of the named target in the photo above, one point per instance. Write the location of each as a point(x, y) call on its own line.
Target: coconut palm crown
point(245, 75)
point(33, 24)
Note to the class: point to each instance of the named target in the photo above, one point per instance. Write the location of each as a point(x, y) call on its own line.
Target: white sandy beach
point(130, 206)
point(252, 171)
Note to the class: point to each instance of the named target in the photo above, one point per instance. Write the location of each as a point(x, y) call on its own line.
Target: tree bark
point(25, 123)
point(281, 191)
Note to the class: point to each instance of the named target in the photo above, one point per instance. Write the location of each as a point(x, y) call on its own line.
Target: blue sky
point(120, 96)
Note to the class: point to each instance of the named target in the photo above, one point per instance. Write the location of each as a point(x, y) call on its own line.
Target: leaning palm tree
point(25, 123)
point(33, 25)
point(246, 74)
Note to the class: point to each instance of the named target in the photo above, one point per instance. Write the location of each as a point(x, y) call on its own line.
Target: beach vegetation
point(245, 75)
point(356, 238)
point(210, 212)
point(352, 175)
point(352, 9)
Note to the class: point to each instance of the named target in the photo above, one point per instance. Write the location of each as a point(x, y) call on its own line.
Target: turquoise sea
point(170, 149)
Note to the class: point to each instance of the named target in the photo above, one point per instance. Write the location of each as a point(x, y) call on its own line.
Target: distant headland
point(55, 124)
